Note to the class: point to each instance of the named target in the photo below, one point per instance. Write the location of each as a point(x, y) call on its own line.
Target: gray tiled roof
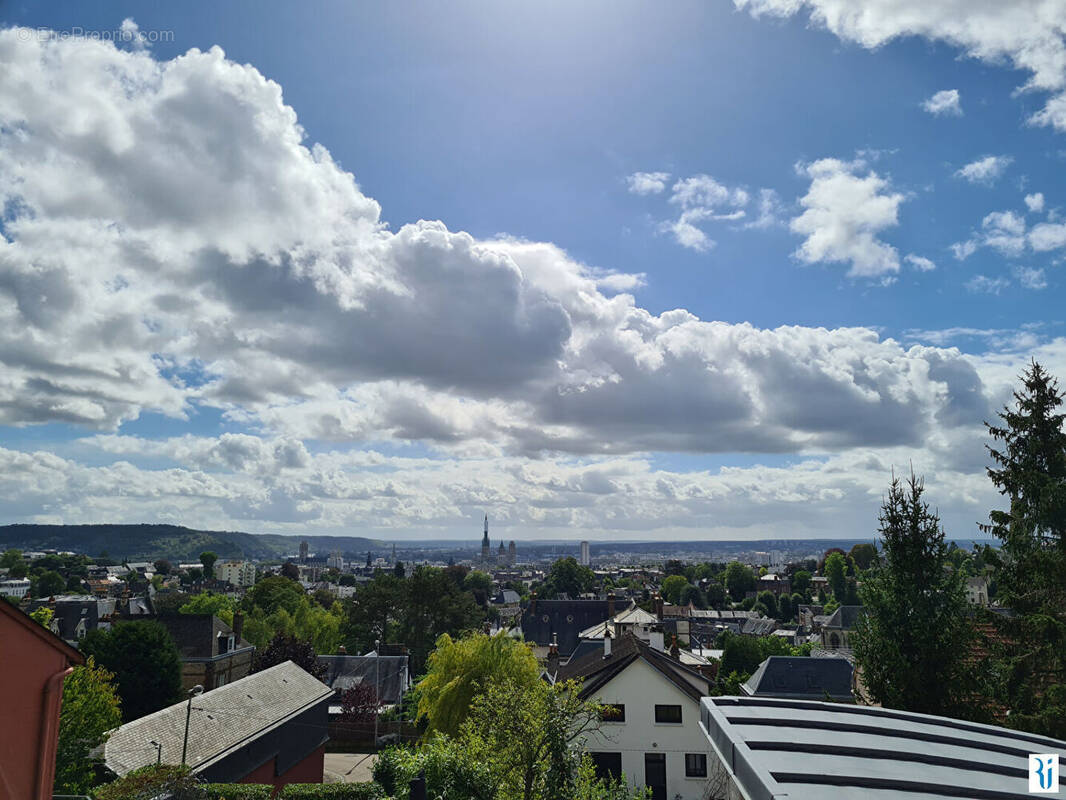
point(222, 719)
point(845, 617)
point(389, 674)
point(801, 678)
point(806, 750)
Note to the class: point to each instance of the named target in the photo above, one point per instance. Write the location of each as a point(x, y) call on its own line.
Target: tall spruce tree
point(1029, 469)
point(913, 640)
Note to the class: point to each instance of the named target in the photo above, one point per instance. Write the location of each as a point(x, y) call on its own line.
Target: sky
point(609, 270)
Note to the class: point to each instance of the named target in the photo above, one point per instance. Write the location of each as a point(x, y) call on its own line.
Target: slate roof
point(595, 671)
point(197, 635)
point(806, 750)
point(801, 678)
point(633, 615)
point(222, 720)
point(567, 618)
point(390, 674)
point(506, 597)
point(845, 617)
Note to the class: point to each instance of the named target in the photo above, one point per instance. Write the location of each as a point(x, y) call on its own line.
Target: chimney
point(342, 650)
point(675, 651)
point(553, 654)
point(607, 643)
point(656, 640)
point(658, 606)
point(238, 627)
point(610, 605)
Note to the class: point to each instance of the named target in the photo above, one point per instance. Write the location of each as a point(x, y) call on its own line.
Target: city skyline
point(609, 273)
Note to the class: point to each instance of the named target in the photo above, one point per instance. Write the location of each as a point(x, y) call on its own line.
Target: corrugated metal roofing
point(806, 750)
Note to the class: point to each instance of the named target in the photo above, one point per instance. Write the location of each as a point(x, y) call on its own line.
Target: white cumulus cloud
point(944, 103)
point(1035, 202)
point(986, 170)
point(647, 182)
point(846, 207)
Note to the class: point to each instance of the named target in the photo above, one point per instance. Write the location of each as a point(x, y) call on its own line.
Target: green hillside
point(173, 542)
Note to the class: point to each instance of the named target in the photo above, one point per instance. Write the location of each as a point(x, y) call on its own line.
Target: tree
point(208, 559)
point(284, 648)
point(219, 605)
point(151, 782)
point(671, 588)
point(739, 579)
point(43, 616)
point(372, 611)
point(459, 670)
point(567, 577)
point(145, 662)
point(433, 604)
point(290, 571)
point(836, 570)
point(162, 566)
point(769, 600)
point(478, 581)
point(714, 594)
point(276, 592)
point(741, 654)
point(913, 641)
point(801, 582)
point(359, 704)
point(863, 554)
point(89, 710)
point(1029, 469)
point(12, 561)
point(50, 583)
point(692, 594)
point(784, 609)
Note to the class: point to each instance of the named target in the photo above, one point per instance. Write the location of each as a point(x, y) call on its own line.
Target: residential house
point(563, 621)
point(268, 728)
point(212, 653)
point(651, 729)
point(804, 750)
point(390, 675)
point(75, 615)
point(14, 587)
point(33, 664)
point(236, 573)
point(977, 591)
point(778, 584)
point(800, 678)
point(838, 628)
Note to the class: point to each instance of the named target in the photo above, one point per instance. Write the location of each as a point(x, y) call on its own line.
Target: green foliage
point(284, 648)
point(1029, 469)
point(89, 710)
point(714, 594)
point(276, 592)
point(331, 791)
point(589, 787)
point(151, 783)
point(237, 791)
point(460, 670)
point(568, 577)
point(913, 640)
point(692, 594)
point(801, 581)
point(836, 570)
point(864, 555)
point(433, 604)
point(769, 600)
point(741, 654)
point(784, 608)
point(831, 606)
point(145, 662)
point(50, 583)
point(477, 581)
point(671, 588)
point(220, 605)
point(43, 616)
point(373, 611)
point(11, 558)
point(208, 559)
point(739, 579)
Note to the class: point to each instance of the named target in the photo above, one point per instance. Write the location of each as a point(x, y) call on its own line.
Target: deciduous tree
point(144, 661)
point(89, 710)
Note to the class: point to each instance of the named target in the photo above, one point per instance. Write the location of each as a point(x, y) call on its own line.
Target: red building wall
point(33, 664)
point(309, 770)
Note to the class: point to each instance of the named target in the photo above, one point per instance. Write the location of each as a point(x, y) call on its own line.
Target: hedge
point(237, 791)
point(332, 791)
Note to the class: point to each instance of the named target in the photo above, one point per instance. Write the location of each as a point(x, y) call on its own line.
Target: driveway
point(349, 767)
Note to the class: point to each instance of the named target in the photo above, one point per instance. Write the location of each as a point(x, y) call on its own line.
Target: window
point(608, 765)
point(613, 712)
point(695, 765)
point(668, 714)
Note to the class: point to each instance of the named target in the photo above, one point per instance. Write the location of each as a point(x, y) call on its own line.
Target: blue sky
point(824, 182)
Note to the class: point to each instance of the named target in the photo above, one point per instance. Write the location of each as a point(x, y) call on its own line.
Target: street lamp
point(377, 686)
point(158, 751)
point(195, 691)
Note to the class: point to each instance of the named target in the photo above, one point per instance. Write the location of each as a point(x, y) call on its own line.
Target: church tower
point(485, 542)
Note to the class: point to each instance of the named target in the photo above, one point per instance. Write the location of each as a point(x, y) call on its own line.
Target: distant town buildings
point(236, 573)
point(335, 560)
point(586, 558)
point(303, 551)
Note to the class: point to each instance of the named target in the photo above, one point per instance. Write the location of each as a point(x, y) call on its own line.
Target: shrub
point(148, 783)
point(332, 791)
point(238, 791)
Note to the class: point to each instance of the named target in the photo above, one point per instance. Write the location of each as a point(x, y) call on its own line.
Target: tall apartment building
point(238, 573)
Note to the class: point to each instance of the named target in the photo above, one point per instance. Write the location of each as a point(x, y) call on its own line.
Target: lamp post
point(158, 751)
point(195, 691)
point(377, 686)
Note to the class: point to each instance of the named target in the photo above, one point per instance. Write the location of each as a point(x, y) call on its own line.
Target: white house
point(15, 587)
point(651, 731)
point(236, 573)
